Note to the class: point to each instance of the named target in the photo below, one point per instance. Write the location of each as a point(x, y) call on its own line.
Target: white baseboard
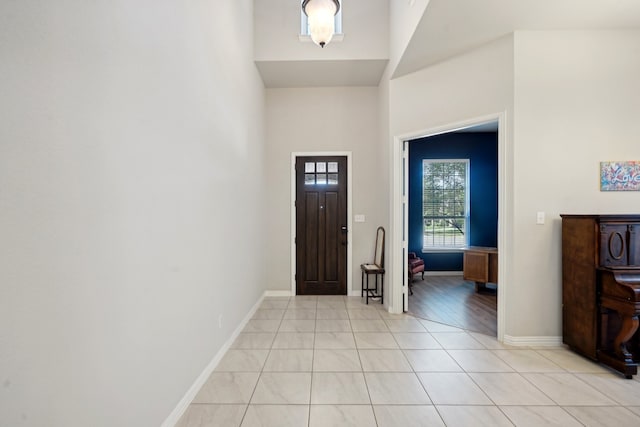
point(533, 341)
point(184, 403)
point(441, 273)
point(352, 293)
point(277, 293)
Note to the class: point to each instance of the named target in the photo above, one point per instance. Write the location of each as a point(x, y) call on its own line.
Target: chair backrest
point(378, 258)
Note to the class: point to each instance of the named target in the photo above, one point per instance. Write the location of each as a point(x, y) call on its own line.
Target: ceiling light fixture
point(321, 19)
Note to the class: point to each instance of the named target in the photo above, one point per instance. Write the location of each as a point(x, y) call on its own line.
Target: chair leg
point(366, 293)
point(423, 275)
point(410, 283)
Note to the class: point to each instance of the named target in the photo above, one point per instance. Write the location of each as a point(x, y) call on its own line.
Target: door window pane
point(321, 173)
point(309, 179)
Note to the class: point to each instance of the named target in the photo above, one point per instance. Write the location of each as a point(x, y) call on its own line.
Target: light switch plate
point(540, 218)
point(358, 218)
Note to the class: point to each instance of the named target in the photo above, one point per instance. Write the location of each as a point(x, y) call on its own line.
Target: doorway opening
point(452, 205)
point(400, 243)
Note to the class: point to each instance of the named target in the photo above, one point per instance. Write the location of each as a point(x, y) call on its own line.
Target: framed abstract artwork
point(620, 176)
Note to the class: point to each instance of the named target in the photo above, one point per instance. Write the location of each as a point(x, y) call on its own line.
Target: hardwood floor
point(454, 301)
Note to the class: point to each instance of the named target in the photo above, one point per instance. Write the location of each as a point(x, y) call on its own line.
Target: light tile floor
point(334, 361)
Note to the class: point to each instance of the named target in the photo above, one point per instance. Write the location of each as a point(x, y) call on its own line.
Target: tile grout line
point(313, 356)
point(364, 377)
point(262, 370)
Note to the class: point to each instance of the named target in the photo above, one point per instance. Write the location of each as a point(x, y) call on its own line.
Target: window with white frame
point(445, 204)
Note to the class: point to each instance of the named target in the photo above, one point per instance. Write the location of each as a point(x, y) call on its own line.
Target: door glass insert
point(309, 178)
point(321, 173)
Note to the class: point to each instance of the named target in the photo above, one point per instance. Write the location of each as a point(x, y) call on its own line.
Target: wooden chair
point(376, 268)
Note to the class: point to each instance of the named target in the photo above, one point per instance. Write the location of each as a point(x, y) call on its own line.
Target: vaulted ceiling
point(451, 27)
point(446, 29)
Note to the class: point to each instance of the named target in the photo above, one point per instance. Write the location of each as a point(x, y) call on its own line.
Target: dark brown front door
point(321, 225)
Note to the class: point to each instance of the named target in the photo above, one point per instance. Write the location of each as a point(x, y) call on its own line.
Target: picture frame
point(620, 175)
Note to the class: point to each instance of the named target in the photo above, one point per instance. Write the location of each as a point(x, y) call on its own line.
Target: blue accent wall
point(481, 149)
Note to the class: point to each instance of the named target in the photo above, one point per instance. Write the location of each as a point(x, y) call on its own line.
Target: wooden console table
point(480, 265)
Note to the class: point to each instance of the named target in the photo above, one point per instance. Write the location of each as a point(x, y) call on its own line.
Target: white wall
point(131, 182)
point(365, 25)
point(577, 102)
point(471, 85)
point(316, 120)
point(385, 152)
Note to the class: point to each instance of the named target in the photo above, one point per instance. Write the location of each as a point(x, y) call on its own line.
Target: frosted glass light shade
point(321, 21)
